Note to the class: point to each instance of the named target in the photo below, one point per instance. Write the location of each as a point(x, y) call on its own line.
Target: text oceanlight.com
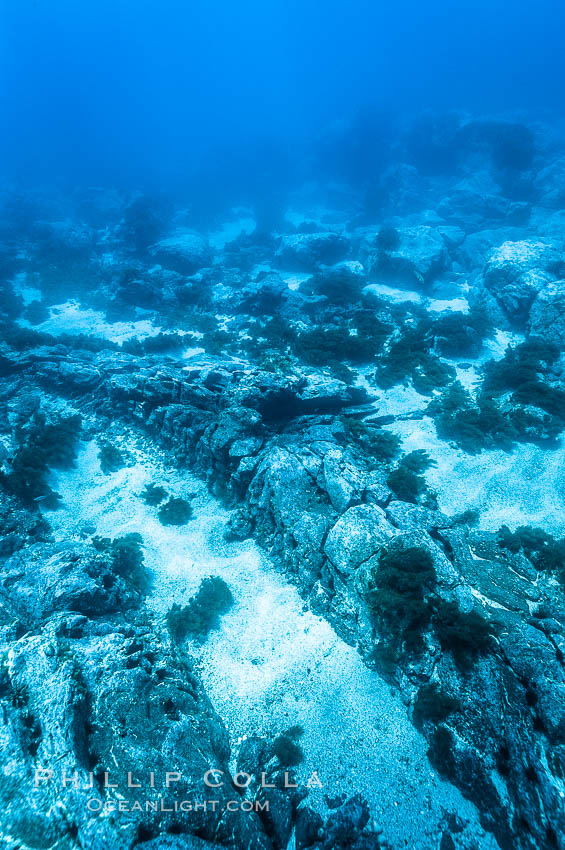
point(95, 804)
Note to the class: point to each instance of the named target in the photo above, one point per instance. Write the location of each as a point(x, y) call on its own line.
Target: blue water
point(210, 96)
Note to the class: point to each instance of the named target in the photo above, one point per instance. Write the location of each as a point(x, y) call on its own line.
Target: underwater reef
point(360, 410)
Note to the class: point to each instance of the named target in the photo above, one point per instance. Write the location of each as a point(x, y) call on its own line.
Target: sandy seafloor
point(72, 318)
point(525, 486)
point(272, 663)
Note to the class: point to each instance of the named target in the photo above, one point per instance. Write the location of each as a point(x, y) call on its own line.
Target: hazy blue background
point(150, 92)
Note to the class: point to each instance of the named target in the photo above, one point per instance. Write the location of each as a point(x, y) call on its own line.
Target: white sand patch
point(294, 280)
point(192, 352)
point(468, 375)
point(392, 293)
point(72, 318)
point(523, 487)
point(272, 663)
point(495, 348)
point(453, 305)
point(399, 400)
point(469, 372)
point(396, 401)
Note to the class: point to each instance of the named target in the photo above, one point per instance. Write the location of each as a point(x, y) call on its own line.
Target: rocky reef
point(339, 384)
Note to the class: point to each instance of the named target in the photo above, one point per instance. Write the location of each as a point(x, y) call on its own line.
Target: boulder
point(550, 184)
point(45, 578)
point(245, 447)
point(342, 480)
point(280, 491)
point(78, 374)
point(476, 248)
point(517, 271)
point(81, 698)
point(359, 533)
point(323, 394)
point(277, 816)
point(264, 295)
point(342, 282)
point(550, 225)
point(414, 517)
point(376, 489)
point(184, 252)
point(547, 314)
point(238, 526)
point(532, 657)
point(307, 251)
point(476, 200)
point(233, 434)
point(512, 259)
point(420, 254)
point(346, 824)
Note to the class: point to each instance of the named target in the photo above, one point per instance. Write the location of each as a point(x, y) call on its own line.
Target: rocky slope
point(271, 367)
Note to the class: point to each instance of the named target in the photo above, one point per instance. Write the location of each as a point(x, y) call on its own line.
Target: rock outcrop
point(547, 314)
point(419, 253)
point(318, 510)
point(517, 271)
point(183, 252)
point(307, 251)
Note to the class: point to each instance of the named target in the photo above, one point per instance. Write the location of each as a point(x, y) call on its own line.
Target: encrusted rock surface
point(183, 252)
point(517, 271)
point(547, 314)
